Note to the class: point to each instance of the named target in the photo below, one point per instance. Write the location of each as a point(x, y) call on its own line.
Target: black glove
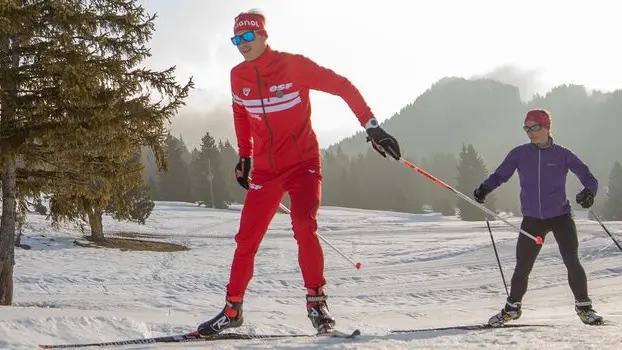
point(242, 169)
point(382, 142)
point(480, 193)
point(585, 198)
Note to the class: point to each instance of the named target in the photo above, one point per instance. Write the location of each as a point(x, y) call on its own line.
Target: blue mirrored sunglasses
point(248, 37)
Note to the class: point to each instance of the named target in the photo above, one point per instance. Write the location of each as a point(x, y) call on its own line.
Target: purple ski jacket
point(542, 176)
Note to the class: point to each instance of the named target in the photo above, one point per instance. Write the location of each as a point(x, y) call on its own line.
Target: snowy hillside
point(418, 271)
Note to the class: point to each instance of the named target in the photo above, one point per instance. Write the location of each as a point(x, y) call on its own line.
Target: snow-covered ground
point(418, 271)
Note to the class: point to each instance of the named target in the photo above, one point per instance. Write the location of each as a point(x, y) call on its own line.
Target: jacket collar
point(549, 145)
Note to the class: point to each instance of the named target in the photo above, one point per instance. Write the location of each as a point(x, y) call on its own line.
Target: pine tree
point(228, 160)
point(352, 184)
point(343, 193)
point(613, 204)
point(329, 181)
point(471, 172)
point(150, 171)
point(75, 105)
point(335, 166)
point(174, 184)
point(209, 182)
point(121, 193)
point(132, 199)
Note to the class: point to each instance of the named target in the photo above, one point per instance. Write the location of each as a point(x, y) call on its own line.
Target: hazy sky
point(392, 50)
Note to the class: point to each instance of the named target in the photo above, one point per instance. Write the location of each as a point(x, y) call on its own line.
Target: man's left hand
point(383, 143)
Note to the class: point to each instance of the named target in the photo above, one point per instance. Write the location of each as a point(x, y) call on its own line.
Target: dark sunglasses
point(535, 127)
point(248, 37)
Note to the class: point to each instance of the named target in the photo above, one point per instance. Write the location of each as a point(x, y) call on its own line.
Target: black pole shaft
point(604, 228)
point(497, 256)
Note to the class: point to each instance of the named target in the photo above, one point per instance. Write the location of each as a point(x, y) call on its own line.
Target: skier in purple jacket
point(542, 168)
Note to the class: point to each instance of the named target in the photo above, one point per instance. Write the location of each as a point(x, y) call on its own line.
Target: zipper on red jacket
point(265, 118)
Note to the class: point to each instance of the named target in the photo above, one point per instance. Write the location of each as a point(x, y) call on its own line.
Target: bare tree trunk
point(7, 225)
point(97, 228)
point(7, 232)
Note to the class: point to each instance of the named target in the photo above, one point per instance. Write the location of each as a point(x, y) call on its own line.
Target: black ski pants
point(565, 232)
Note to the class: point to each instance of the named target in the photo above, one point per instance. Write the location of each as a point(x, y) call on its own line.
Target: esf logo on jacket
point(280, 87)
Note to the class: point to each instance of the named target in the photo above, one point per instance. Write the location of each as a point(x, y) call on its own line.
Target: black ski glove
point(480, 194)
point(381, 141)
point(242, 170)
point(585, 198)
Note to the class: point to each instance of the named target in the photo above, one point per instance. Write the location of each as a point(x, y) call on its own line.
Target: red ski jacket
point(272, 111)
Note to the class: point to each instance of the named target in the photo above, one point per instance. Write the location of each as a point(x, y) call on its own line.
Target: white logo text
point(280, 87)
point(246, 23)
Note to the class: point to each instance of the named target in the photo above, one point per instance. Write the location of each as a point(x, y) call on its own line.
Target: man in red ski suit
point(272, 117)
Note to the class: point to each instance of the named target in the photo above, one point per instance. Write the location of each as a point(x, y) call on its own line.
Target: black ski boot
point(229, 317)
point(586, 313)
point(317, 310)
point(511, 311)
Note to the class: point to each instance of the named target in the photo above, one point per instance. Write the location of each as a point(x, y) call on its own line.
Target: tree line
point(204, 175)
point(367, 181)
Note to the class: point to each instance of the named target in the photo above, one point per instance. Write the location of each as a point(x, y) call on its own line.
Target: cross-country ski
point(196, 337)
point(470, 327)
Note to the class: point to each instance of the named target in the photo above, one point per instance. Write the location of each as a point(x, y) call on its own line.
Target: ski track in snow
point(418, 271)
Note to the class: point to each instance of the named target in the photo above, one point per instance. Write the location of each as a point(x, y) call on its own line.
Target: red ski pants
point(303, 183)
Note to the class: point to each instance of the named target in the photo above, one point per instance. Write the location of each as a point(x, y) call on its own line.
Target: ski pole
point(439, 182)
point(497, 255)
point(357, 265)
point(604, 228)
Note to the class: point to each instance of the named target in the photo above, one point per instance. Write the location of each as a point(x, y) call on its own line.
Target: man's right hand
point(242, 170)
point(480, 194)
point(381, 141)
